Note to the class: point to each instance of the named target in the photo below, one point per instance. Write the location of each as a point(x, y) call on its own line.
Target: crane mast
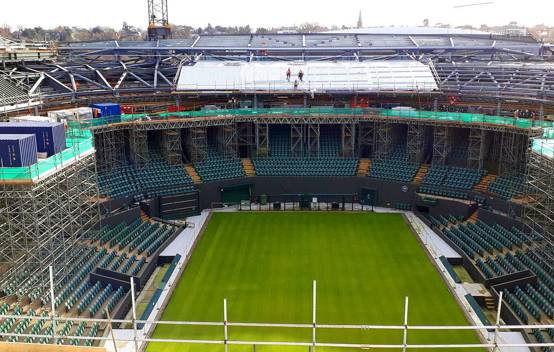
point(158, 23)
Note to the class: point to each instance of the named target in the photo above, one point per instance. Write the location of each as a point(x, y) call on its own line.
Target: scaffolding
point(539, 210)
point(138, 147)
point(246, 139)
point(348, 138)
point(171, 146)
point(297, 140)
point(477, 147)
point(512, 156)
point(415, 143)
point(110, 147)
point(42, 223)
point(227, 139)
point(313, 140)
point(366, 138)
point(197, 144)
point(262, 139)
point(383, 132)
point(441, 145)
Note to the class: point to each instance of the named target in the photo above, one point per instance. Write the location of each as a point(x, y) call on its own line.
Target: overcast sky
point(268, 13)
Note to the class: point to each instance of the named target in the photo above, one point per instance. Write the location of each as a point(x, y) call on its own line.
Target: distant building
point(360, 23)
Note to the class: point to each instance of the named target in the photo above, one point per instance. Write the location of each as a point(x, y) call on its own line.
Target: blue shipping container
point(106, 110)
point(50, 136)
point(17, 150)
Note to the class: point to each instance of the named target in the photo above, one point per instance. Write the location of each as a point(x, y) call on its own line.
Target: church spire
point(360, 23)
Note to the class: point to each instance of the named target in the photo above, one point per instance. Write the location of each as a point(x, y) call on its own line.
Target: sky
point(273, 13)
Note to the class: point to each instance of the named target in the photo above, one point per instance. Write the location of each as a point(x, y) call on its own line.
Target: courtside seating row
point(32, 325)
point(527, 301)
point(539, 336)
point(480, 238)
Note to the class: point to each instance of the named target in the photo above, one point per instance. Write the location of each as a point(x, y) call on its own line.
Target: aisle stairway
point(420, 175)
point(474, 217)
point(490, 303)
point(483, 185)
point(248, 167)
point(363, 167)
point(191, 171)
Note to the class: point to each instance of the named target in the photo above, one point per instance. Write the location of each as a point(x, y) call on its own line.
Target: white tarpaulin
point(398, 76)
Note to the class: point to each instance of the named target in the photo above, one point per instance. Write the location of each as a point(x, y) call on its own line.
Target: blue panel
point(106, 110)
point(50, 136)
point(17, 150)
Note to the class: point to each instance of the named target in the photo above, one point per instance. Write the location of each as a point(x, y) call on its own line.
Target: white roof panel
point(318, 76)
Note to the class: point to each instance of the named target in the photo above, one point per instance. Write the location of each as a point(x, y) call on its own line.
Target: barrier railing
point(490, 333)
point(392, 113)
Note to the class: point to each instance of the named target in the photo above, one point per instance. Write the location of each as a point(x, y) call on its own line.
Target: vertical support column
point(138, 147)
point(245, 136)
point(197, 144)
point(497, 323)
point(133, 302)
point(348, 135)
point(297, 140)
point(225, 328)
point(227, 139)
point(476, 148)
point(262, 139)
point(507, 158)
point(415, 142)
point(53, 304)
point(405, 337)
point(314, 306)
point(366, 138)
point(313, 138)
point(383, 140)
point(440, 145)
point(171, 142)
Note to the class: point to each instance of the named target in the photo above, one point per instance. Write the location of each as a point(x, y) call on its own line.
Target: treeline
point(128, 32)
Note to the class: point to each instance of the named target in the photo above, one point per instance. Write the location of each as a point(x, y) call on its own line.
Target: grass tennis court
point(264, 264)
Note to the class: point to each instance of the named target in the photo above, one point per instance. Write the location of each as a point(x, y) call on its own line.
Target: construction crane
point(158, 23)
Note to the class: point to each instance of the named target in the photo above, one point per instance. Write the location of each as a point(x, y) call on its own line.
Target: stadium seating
point(155, 178)
point(280, 162)
point(450, 181)
point(395, 167)
point(506, 187)
point(218, 166)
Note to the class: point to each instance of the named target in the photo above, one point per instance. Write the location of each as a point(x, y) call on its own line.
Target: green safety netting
point(408, 114)
point(79, 138)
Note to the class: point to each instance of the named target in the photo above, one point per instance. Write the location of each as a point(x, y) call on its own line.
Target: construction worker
point(288, 74)
point(300, 75)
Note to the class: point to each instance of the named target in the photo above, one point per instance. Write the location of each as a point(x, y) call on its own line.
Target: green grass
point(264, 264)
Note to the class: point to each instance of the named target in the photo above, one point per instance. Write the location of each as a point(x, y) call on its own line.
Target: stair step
point(421, 173)
point(248, 167)
point(191, 171)
point(363, 167)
